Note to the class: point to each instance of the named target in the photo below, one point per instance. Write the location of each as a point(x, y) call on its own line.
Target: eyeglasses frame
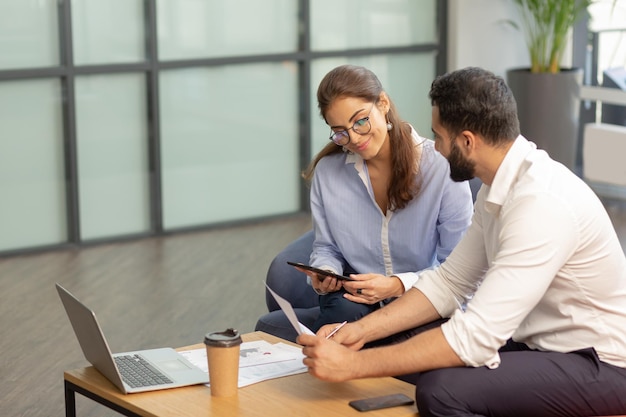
point(346, 131)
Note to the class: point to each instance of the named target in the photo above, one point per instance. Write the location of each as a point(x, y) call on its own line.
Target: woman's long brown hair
point(359, 82)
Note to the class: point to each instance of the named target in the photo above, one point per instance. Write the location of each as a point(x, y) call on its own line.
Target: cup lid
point(226, 338)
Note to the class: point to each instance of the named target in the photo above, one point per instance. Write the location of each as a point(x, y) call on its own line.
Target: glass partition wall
point(130, 118)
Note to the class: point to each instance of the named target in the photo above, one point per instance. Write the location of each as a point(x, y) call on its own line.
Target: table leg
point(70, 400)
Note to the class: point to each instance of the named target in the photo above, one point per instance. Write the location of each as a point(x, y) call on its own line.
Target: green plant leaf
point(546, 25)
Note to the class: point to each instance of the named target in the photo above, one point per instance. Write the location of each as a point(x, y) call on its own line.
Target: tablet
point(320, 271)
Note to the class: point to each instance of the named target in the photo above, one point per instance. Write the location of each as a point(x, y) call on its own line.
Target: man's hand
point(372, 288)
point(331, 361)
point(350, 335)
point(328, 360)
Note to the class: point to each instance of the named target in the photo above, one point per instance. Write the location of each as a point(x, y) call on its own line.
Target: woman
point(382, 200)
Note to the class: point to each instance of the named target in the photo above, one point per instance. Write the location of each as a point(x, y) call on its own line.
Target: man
point(535, 292)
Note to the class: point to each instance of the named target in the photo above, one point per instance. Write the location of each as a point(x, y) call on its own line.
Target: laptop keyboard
point(137, 372)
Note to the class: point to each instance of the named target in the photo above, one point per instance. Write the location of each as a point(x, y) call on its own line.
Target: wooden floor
point(156, 292)
point(166, 291)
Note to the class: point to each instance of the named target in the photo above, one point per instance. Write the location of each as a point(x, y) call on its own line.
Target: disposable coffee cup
point(222, 352)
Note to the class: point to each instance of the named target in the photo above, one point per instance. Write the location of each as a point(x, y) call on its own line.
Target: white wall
point(479, 36)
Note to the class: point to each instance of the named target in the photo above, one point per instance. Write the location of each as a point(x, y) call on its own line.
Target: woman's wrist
point(318, 292)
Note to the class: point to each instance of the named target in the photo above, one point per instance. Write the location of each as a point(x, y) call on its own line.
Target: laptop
point(159, 368)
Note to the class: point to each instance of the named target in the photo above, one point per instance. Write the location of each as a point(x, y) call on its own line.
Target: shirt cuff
point(461, 343)
point(408, 279)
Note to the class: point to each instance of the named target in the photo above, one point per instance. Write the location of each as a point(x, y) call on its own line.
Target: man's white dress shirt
point(541, 263)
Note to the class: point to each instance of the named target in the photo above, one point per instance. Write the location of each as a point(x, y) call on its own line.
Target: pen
point(336, 329)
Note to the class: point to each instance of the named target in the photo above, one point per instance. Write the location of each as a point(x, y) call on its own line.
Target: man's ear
point(467, 141)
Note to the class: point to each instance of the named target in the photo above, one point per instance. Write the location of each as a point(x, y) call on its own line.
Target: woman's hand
point(325, 284)
point(372, 288)
point(321, 284)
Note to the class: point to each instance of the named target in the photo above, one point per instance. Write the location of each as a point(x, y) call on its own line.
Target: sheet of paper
point(262, 352)
point(291, 315)
point(258, 361)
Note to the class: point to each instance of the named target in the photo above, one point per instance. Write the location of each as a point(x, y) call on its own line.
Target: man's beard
point(461, 169)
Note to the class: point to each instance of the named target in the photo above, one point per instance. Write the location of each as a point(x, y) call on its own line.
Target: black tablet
point(320, 271)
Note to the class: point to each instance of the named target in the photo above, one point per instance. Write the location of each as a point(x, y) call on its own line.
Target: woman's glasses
point(361, 126)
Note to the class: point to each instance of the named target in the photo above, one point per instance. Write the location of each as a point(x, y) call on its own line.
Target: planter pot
point(548, 109)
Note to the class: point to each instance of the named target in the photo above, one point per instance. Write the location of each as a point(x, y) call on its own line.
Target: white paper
point(291, 315)
point(258, 361)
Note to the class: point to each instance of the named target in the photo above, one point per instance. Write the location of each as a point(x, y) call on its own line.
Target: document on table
point(291, 315)
point(258, 361)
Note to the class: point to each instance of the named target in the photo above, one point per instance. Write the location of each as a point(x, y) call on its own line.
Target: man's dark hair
point(477, 100)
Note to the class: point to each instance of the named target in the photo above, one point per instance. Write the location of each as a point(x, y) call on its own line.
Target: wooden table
point(296, 395)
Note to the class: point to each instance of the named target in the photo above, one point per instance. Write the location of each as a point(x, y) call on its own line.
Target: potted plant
point(547, 95)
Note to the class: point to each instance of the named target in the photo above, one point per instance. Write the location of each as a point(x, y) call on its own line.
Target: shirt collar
point(507, 173)
point(353, 158)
